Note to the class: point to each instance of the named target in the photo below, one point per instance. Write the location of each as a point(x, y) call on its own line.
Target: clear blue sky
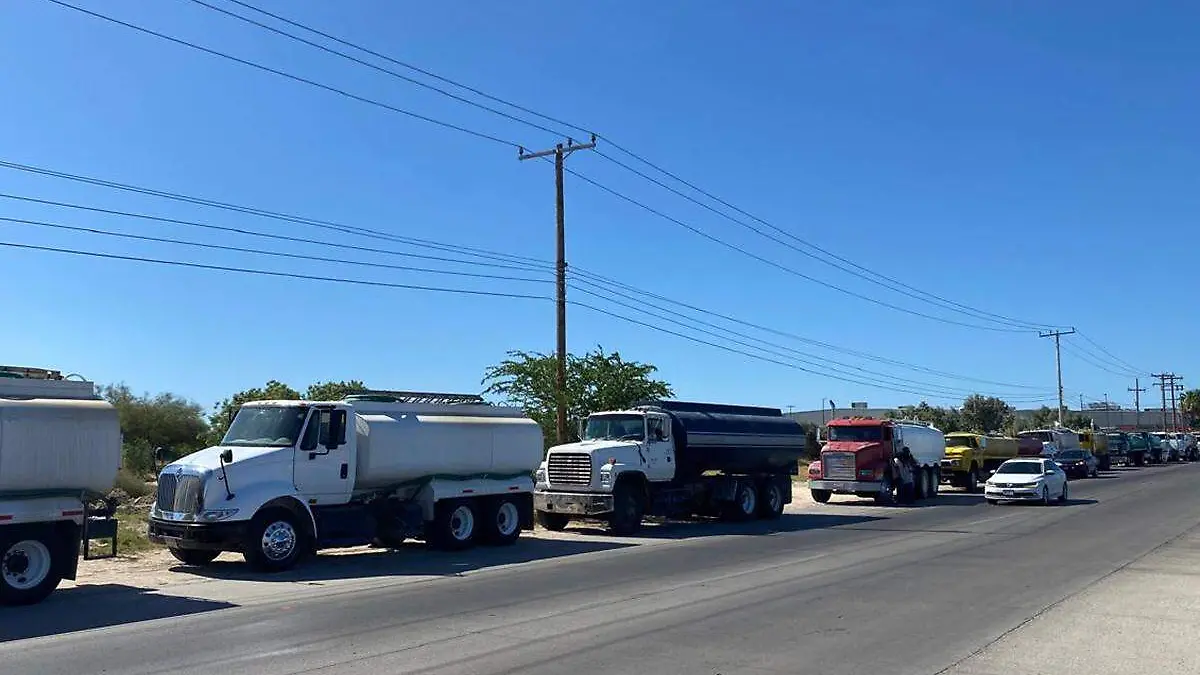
point(1035, 160)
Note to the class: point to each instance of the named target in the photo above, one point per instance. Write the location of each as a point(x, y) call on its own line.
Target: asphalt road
point(841, 588)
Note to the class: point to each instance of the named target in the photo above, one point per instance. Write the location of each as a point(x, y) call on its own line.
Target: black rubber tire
point(770, 500)
point(932, 480)
point(194, 557)
point(744, 505)
point(554, 522)
point(500, 513)
point(1106, 463)
point(920, 486)
point(10, 595)
point(252, 547)
point(1045, 501)
point(1139, 461)
point(887, 494)
point(821, 496)
point(1062, 498)
point(972, 482)
point(626, 518)
point(440, 532)
point(993, 502)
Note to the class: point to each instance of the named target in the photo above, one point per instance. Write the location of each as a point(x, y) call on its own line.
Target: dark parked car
point(1078, 463)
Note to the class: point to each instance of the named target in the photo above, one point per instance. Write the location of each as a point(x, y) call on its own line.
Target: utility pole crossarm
point(1057, 335)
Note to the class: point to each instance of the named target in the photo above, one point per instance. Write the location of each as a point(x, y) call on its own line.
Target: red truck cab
point(858, 459)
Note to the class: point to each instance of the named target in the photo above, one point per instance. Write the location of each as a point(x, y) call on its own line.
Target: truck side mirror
point(227, 456)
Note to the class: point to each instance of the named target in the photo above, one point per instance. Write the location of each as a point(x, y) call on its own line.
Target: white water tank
point(400, 442)
point(58, 444)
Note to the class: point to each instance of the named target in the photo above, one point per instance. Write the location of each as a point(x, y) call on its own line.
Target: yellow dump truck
point(971, 458)
point(1098, 444)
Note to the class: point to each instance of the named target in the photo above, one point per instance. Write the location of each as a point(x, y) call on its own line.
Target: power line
point(1090, 359)
point(1112, 356)
point(271, 273)
point(427, 73)
point(368, 64)
point(522, 262)
point(287, 75)
point(256, 251)
point(855, 269)
point(780, 266)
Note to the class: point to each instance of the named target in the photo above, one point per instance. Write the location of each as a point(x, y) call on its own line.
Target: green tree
point(333, 391)
point(595, 381)
point(986, 414)
point(1043, 417)
point(149, 422)
point(945, 419)
point(1190, 404)
point(224, 411)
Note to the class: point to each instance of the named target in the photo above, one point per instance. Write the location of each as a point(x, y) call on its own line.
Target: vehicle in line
point(60, 450)
point(1097, 443)
point(1186, 443)
point(672, 459)
point(1078, 463)
point(971, 458)
point(1027, 479)
point(1053, 440)
point(882, 459)
point(1154, 447)
point(1118, 447)
point(1163, 449)
point(1139, 447)
point(293, 477)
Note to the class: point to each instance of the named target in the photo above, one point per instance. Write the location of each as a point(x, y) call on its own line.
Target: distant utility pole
point(1175, 388)
point(1107, 414)
point(1166, 382)
point(1081, 404)
point(1137, 402)
point(560, 152)
point(1057, 334)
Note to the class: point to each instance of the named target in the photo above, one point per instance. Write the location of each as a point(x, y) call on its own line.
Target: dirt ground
point(156, 568)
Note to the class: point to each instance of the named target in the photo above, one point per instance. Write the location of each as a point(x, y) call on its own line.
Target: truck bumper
point(844, 486)
point(573, 503)
point(205, 536)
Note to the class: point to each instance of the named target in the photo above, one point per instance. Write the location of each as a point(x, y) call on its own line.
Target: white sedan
point(1029, 479)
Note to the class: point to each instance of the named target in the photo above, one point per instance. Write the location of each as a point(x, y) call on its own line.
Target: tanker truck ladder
point(433, 398)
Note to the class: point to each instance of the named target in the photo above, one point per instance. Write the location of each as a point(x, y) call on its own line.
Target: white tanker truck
point(60, 449)
point(293, 477)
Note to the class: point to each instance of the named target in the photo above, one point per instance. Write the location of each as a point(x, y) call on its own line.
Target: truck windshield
point(1043, 436)
point(615, 428)
point(1071, 454)
point(960, 442)
point(1137, 442)
point(1117, 442)
point(266, 426)
point(855, 434)
point(1155, 442)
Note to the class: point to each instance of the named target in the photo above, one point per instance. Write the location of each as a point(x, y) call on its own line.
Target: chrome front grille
point(569, 468)
point(178, 493)
point(838, 465)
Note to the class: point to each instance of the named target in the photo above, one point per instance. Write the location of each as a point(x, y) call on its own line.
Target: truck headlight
point(216, 515)
point(606, 475)
point(540, 475)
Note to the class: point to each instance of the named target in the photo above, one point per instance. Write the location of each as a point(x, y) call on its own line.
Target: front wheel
point(555, 522)
point(194, 557)
point(28, 567)
point(626, 518)
point(972, 482)
point(1062, 498)
point(1045, 495)
point(770, 501)
point(821, 496)
point(274, 542)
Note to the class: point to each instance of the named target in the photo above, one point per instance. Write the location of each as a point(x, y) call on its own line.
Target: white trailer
point(293, 477)
point(60, 449)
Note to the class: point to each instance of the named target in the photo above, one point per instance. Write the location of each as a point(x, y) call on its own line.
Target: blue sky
point(1033, 160)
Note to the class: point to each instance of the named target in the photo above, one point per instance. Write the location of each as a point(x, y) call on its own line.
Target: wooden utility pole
point(1175, 388)
point(1165, 381)
point(560, 152)
point(1057, 334)
point(1137, 402)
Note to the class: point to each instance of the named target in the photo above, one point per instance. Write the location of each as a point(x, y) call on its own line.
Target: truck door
point(321, 470)
point(660, 448)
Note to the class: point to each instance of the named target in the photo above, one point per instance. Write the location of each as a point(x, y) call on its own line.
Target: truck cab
point(1097, 443)
point(971, 458)
point(1053, 440)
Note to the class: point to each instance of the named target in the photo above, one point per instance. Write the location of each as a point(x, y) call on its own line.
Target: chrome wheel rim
point(748, 501)
point(279, 540)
